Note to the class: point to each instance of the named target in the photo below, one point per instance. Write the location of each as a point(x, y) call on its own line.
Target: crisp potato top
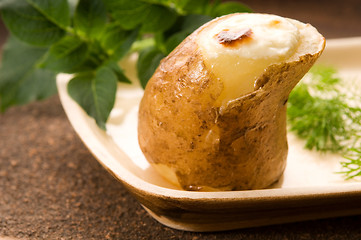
point(239, 48)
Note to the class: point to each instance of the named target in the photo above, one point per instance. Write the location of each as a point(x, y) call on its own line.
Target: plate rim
point(134, 183)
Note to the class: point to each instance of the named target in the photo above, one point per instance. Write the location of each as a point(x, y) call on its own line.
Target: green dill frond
point(352, 163)
point(318, 113)
point(325, 77)
point(322, 114)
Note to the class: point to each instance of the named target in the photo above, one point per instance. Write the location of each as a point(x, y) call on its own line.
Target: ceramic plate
point(309, 188)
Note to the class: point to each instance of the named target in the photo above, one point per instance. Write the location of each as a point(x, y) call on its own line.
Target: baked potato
point(213, 115)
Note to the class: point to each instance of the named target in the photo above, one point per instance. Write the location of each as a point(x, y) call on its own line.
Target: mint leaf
point(128, 14)
point(29, 25)
point(194, 21)
point(158, 19)
point(175, 40)
point(151, 17)
point(118, 72)
point(196, 7)
point(124, 47)
point(113, 37)
point(90, 18)
point(66, 55)
point(229, 7)
point(181, 4)
point(55, 11)
point(175, 4)
point(95, 93)
point(188, 25)
point(148, 62)
point(149, 58)
point(161, 2)
point(78, 36)
point(20, 80)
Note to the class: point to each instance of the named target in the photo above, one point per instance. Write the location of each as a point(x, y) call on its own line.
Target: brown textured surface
point(52, 188)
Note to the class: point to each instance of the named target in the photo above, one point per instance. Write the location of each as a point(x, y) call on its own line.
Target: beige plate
point(309, 189)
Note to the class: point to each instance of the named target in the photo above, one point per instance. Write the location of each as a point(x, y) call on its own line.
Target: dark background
point(333, 18)
point(51, 187)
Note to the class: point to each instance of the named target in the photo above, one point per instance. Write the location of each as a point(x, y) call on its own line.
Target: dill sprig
point(327, 117)
point(352, 163)
point(319, 113)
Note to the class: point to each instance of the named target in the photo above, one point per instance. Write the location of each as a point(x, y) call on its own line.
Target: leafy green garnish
point(30, 21)
point(320, 112)
point(352, 163)
point(95, 93)
point(88, 38)
point(327, 117)
point(21, 80)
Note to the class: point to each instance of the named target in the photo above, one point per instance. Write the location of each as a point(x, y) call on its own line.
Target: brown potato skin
point(247, 147)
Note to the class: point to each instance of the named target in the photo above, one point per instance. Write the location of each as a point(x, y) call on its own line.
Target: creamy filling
point(239, 48)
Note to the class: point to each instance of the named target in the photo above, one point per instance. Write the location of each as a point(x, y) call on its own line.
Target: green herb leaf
point(196, 7)
point(178, 5)
point(113, 37)
point(123, 48)
point(175, 40)
point(83, 35)
point(30, 25)
point(327, 118)
point(188, 25)
point(158, 19)
point(194, 21)
point(151, 17)
point(118, 72)
point(229, 7)
point(95, 93)
point(320, 113)
point(148, 61)
point(66, 55)
point(319, 121)
point(20, 80)
point(90, 18)
point(55, 11)
point(128, 14)
point(325, 78)
point(352, 163)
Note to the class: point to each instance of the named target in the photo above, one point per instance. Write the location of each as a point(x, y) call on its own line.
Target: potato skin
point(241, 146)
